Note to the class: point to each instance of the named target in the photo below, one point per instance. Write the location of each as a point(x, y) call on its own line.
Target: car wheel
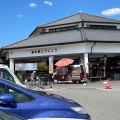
point(55, 81)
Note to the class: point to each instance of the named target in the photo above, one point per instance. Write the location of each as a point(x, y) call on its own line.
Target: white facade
point(80, 48)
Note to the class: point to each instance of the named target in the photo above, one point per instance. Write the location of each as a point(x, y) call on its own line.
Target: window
point(6, 75)
point(58, 29)
point(4, 115)
point(72, 27)
point(52, 30)
point(62, 29)
point(19, 95)
point(103, 27)
point(2, 88)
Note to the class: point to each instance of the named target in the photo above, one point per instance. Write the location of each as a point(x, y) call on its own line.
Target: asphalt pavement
point(114, 85)
point(99, 102)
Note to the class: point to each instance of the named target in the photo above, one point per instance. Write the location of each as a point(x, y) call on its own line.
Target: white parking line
point(57, 89)
point(54, 89)
point(108, 89)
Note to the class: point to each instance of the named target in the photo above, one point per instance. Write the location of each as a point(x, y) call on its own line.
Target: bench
point(96, 77)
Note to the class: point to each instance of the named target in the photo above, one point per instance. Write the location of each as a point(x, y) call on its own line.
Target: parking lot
point(100, 103)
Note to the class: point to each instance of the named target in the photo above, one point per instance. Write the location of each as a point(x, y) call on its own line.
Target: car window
point(6, 75)
point(19, 95)
point(2, 88)
point(4, 115)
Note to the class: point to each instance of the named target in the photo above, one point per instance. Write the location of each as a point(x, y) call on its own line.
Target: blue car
point(38, 104)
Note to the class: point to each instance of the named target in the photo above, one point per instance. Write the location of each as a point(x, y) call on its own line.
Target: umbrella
point(64, 62)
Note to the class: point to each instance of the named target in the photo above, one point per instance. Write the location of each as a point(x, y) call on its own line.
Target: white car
point(8, 74)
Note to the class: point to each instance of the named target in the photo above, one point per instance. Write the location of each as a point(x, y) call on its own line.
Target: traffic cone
point(107, 85)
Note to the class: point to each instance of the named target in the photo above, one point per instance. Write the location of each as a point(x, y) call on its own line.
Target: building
point(80, 36)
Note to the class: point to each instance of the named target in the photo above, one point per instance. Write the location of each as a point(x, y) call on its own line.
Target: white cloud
point(20, 15)
point(110, 12)
point(48, 3)
point(33, 5)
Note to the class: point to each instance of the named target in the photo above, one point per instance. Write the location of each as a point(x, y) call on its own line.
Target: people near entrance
point(64, 70)
point(58, 70)
point(32, 76)
point(81, 72)
point(20, 75)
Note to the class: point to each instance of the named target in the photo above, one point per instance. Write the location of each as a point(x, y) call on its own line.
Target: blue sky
point(18, 18)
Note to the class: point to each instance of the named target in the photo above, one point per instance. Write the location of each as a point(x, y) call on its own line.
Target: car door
point(14, 108)
point(21, 99)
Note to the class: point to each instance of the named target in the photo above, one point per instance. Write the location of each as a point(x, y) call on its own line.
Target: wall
point(66, 49)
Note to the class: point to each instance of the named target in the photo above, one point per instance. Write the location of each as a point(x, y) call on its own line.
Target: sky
point(19, 18)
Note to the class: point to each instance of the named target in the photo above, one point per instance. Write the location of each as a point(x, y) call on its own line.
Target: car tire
point(55, 81)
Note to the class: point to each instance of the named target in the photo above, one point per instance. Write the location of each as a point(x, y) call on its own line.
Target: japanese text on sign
point(44, 51)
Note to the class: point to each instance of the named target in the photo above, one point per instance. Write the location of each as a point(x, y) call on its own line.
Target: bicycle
point(45, 81)
point(40, 82)
point(35, 82)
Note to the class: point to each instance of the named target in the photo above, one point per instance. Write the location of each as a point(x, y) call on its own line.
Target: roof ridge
point(57, 20)
point(99, 16)
point(81, 14)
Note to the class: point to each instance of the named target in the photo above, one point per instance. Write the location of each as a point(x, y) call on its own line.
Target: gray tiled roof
point(79, 17)
point(102, 35)
point(48, 39)
point(82, 35)
point(69, 19)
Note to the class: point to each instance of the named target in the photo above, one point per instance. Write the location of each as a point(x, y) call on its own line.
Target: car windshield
point(8, 116)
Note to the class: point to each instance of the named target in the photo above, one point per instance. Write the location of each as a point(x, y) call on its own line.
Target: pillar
point(86, 61)
point(12, 64)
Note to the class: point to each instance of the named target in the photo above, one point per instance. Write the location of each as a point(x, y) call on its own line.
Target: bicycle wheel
point(42, 84)
point(32, 84)
point(39, 83)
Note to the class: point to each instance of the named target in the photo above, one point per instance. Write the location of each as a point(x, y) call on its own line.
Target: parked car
point(8, 74)
point(38, 104)
point(57, 79)
point(4, 115)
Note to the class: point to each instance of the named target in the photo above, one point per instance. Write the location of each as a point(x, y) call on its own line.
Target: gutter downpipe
point(93, 46)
